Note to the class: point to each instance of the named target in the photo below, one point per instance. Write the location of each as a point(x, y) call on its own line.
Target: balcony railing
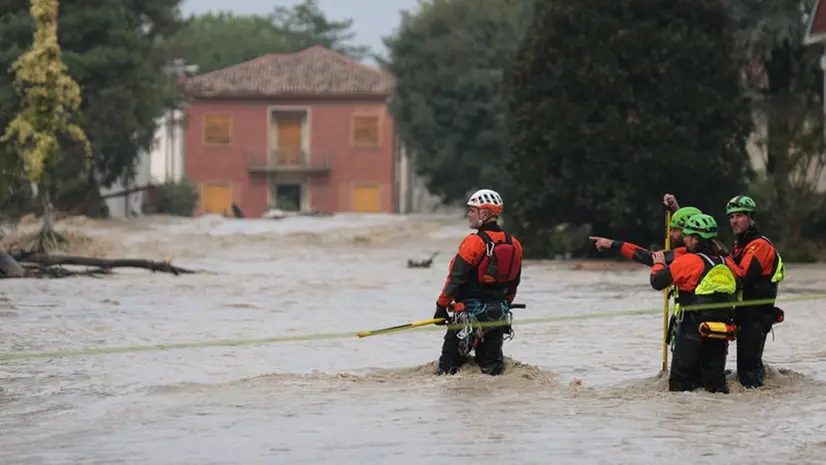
point(282, 162)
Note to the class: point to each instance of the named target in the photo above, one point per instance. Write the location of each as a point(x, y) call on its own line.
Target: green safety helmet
point(740, 204)
point(702, 225)
point(681, 216)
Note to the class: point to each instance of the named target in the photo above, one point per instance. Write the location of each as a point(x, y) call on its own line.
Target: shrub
point(177, 198)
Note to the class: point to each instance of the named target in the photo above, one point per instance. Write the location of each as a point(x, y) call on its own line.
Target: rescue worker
point(702, 276)
point(641, 255)
point(760, 268)
point(481, 284)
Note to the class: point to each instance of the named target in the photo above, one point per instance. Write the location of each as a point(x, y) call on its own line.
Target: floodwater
point(579, 391)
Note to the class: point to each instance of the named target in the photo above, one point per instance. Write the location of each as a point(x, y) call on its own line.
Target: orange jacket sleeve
point(758, 260)
point(684, 272)
point(641, 255)
point(471, 251)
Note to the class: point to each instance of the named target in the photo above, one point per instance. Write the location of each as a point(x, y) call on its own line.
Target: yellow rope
point(353, 334)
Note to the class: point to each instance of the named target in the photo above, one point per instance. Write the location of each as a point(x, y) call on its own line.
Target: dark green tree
point(785, 85)
point(448, 59)
point(218, 40)
point(308, 25)
point(612, 104)
point(110, 50)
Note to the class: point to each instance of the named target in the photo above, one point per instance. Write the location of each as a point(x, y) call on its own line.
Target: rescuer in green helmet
point(757, 263)
point(702, 276)
point(640, 255)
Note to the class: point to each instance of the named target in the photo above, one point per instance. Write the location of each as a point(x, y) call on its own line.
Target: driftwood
point(423, 263)
point(40, 271)
point(48, 265)
point(9, 267)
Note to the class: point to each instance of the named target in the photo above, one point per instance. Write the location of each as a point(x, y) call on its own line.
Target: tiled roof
point(313, 71)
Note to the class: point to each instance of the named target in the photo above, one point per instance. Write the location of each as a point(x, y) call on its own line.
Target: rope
point(351, 334)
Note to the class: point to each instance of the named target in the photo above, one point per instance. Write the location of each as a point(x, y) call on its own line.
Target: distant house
point(816, 29)
point(301, 131)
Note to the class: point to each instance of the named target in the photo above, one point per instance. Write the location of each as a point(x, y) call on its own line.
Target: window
point(217, 129)
point(366, 134)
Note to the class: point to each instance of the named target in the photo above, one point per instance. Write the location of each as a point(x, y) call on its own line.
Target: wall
point(166, 157)
point(203, 163)
point(414, 196)
point(132, 204)
point(330, 132)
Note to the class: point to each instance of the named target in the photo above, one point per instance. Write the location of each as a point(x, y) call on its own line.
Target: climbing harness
point(471, 332)
point(470, 335)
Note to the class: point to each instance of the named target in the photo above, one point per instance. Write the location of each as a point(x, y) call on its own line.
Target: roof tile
point(312, 71)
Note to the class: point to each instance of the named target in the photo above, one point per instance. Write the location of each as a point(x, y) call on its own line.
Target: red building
point(302, 131)
point(816, 29)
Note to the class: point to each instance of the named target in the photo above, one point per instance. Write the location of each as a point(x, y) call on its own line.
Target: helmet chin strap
point(489, 219)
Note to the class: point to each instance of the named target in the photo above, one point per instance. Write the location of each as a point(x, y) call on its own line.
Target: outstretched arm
point(629, 250)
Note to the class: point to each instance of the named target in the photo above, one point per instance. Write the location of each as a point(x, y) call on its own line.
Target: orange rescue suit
point(488, 266)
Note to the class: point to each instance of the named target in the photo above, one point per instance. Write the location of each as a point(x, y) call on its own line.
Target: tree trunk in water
point(9, 268)
point(94, 206)
point(779, 142)
point(106, 263)
point(47, 239)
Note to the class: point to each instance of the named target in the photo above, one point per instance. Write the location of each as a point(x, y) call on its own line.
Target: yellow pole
point(391, 329)
point(665, 292)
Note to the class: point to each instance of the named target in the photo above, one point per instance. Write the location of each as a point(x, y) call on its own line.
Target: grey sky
point(372, 19)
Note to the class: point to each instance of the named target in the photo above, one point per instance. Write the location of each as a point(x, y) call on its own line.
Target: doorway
point(289, 135)
point(288, 197)
point(217, 198)
point(365, 198)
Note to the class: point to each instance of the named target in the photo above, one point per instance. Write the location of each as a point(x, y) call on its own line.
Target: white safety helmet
point(487, 199)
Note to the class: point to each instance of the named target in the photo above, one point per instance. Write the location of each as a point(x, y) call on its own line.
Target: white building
point(413, 195)
point(167, 157)
point(164, 162)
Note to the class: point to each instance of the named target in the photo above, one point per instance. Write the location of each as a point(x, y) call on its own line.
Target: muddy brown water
point(581, 391)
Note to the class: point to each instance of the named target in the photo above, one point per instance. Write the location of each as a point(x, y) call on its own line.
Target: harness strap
point(485, 237)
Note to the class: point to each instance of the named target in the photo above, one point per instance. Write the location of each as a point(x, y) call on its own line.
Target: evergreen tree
point(50, 101)
point(110, 50)
point(219, 40)
point(448, 59)
point(612, 104)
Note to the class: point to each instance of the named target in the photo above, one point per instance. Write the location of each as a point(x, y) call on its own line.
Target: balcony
point(280, 162)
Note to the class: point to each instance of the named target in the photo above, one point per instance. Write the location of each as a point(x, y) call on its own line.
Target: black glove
point(441, 312)
point(779, 315)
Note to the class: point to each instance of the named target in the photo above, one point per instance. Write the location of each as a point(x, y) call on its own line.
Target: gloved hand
point(779, 315)
point(441, 312)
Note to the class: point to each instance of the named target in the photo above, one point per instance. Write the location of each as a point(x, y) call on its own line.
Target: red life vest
point(500, 265)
